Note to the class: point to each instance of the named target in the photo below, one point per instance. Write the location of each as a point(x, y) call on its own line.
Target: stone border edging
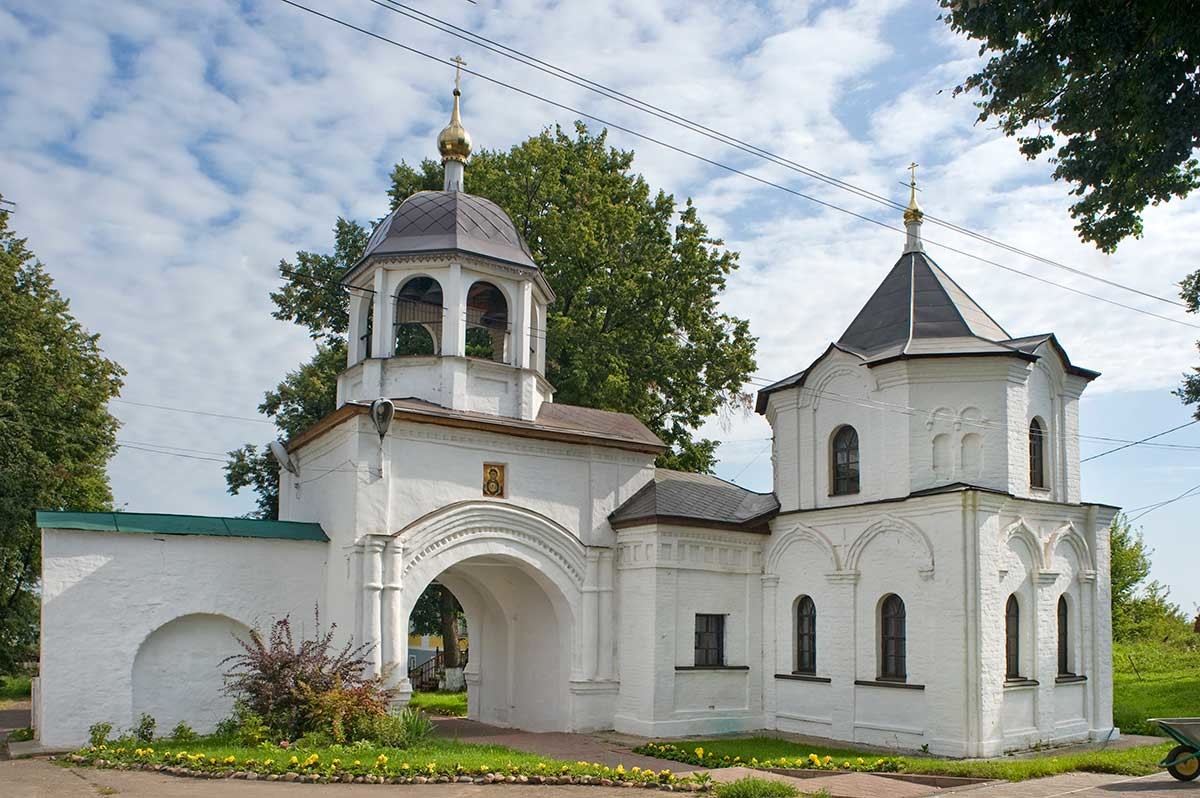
point(370, 778)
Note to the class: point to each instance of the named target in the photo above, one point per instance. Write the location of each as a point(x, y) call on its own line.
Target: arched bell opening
point(488, 328)
point(419, 315)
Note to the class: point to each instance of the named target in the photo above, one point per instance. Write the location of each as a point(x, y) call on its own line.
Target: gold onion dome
point(913, 212)
point(454, 142)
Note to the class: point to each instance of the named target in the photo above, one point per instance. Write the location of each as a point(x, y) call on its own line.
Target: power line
point(193, 412)
point(1143, 440)
point(752, 460)
point(726, 167)
point(643, 106)
point(1187, 494)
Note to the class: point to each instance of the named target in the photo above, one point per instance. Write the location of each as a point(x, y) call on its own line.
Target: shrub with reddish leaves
point(311, 686)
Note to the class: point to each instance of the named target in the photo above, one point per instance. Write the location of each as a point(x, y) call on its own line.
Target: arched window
point(1064, 639)
point(1037, 454)
point(845, 461)
point(419, 312)
point(1012, 639)
point(487, 323)
point(892, 644)
point(806, 635)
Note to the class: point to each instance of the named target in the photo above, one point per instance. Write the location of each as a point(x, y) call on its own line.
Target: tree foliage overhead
point(56, 434)
point(1110, 89)
point(635, 327)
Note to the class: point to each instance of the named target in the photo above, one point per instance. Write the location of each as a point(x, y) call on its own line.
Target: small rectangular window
point(710, 640)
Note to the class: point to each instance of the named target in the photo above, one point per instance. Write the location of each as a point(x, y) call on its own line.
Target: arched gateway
point(519, 577)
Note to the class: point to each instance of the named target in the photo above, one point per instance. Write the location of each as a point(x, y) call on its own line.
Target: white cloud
point(165, 159)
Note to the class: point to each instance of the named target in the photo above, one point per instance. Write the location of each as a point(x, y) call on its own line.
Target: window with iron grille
point(806, 636)
point(892, 643)
point(1012, 639)
point(845, 461)
point(1064, 639)
point(1037, 454)
point(710, 639)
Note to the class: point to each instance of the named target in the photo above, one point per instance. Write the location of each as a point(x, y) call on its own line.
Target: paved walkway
point(556, 745)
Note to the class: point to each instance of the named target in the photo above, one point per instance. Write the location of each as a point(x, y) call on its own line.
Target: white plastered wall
point(107, 596)
point(666, 575)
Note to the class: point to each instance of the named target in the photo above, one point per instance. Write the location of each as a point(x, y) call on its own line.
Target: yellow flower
point(621, 769)
point(337, 762)
point(860, 761)
point(268, 762)
point(846, 765)
point(636, 769)
point(229, 760)
point(541, 765)
point(404, 766)
point(814, 757)
point(700, 753)
point(828, 759)
point(294, 761)
point(312, 760)
point(381, 760)
point(357, 763)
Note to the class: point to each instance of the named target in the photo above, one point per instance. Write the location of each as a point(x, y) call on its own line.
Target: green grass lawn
point(1131, 762)
point(1152, 680)
point(452, 704)
point(14, 688)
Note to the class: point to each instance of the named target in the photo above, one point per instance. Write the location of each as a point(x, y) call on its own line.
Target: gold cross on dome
point(912, 169)
point(459, 63)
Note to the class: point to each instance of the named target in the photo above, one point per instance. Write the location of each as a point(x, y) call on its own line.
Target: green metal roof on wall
point(165, 524)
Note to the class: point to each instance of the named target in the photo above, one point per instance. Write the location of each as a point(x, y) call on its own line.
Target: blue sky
point(164, 157)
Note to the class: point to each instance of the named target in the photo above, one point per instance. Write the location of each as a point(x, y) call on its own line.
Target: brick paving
point(555, 745)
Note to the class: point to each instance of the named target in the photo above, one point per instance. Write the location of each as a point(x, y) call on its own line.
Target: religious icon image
point(493, 479)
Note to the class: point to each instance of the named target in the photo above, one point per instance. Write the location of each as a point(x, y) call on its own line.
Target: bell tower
point(447, 304)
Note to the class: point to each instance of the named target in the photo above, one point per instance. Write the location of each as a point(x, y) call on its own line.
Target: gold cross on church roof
point(459, 63)
point(912, 169)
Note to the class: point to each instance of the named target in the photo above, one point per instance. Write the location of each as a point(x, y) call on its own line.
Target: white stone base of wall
point(686, 727)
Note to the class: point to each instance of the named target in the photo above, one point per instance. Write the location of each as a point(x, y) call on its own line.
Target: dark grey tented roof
point(916, 312)
point(449, 221)
point(916, 300)
point(696, 500)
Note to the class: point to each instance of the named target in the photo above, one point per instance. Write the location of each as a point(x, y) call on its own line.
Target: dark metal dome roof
point(445, 221)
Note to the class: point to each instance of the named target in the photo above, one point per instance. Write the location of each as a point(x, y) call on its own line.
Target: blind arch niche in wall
point(177, 673)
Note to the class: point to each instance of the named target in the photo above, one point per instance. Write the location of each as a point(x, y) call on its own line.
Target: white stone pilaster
point(372, 587)
point(454, 326)
point(590, 626)
point(837, 657)
point(606, 654)
point(395, 621)
point(770, 643)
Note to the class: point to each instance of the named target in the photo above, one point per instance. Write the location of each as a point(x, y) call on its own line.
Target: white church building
point(924, 573)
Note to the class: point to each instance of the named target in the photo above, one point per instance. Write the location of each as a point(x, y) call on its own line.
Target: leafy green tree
point(437, 612)
point(635, 327)
point(56, 434)
point(1140, 609)
point(1189, 391)
point(1111, 89)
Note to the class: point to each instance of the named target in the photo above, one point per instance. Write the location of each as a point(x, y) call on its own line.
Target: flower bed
point(709, 759)
point(365, 765)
